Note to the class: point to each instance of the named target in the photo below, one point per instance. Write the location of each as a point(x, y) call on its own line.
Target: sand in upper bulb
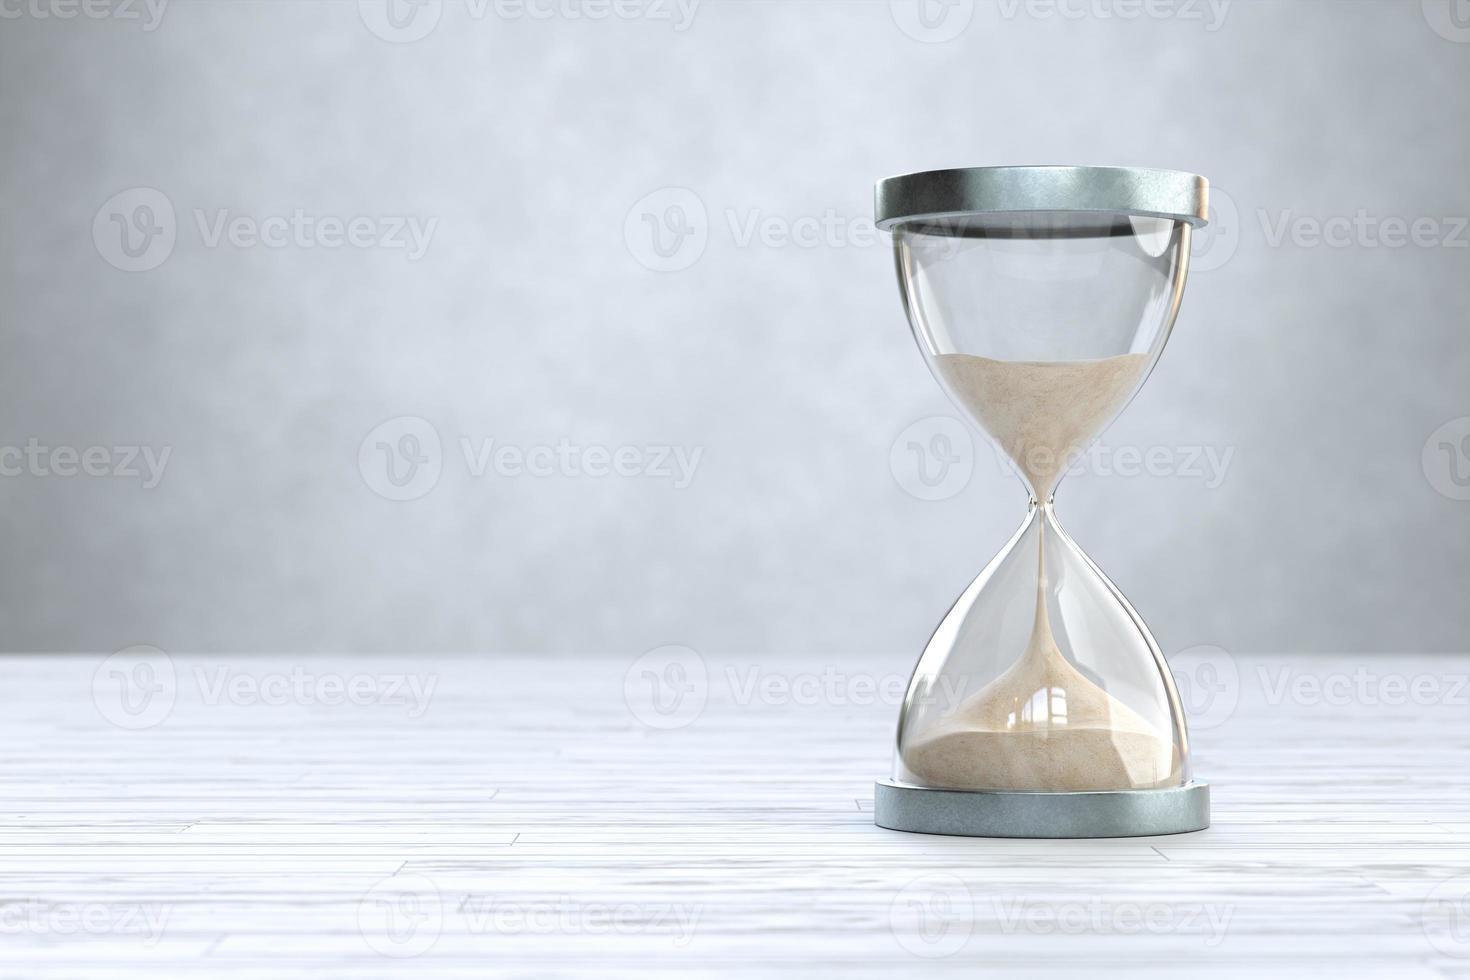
point(1042, 725)
point(1042, 412)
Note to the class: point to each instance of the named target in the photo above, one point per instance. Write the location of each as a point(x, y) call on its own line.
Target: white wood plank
point(541, 827)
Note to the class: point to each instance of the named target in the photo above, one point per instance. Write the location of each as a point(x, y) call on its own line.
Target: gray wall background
point(533, 317)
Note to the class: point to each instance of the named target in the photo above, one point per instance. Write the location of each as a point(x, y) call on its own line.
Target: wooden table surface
point(424, 816)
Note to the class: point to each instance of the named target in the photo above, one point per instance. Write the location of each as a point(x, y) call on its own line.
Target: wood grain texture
point(604, 816)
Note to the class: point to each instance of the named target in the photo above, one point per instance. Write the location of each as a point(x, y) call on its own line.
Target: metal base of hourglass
point(980, 813)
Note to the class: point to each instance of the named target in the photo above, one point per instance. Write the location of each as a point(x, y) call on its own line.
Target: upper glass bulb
point(1042, 325)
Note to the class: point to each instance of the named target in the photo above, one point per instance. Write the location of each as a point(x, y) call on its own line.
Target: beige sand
point(1042, 725)
point(1042, 412)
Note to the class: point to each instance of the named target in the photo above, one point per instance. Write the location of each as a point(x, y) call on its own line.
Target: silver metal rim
point(936, 195)
point(961, 813)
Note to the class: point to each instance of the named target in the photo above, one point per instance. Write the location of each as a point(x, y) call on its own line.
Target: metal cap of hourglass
point(1126, 191)
point(1031, 282)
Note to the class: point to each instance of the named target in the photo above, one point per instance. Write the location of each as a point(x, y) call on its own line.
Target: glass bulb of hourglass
point(1041, 326)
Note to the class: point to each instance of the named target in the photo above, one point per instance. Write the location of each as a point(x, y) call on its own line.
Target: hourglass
point(1041, 298)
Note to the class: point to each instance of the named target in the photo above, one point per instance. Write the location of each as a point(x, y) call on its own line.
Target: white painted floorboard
point(520, 817)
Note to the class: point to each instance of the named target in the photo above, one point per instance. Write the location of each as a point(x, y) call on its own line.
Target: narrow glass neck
point(1047, 507)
